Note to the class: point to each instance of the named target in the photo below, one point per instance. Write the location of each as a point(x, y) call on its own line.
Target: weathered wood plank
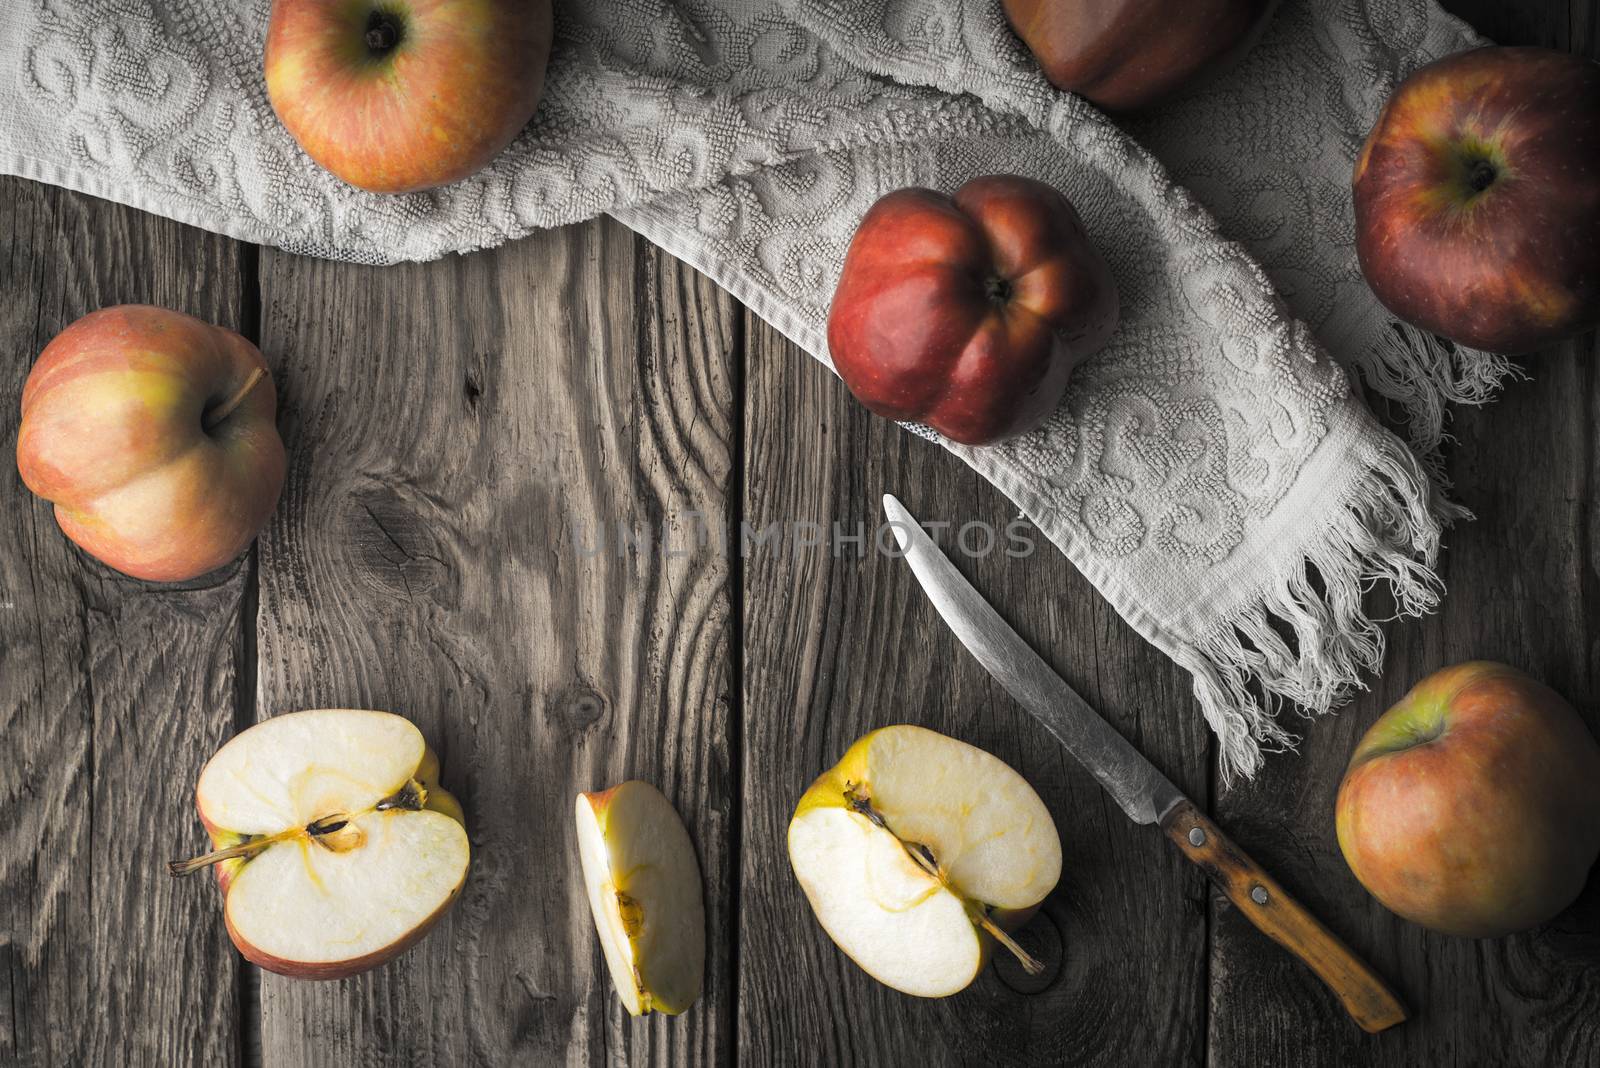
point(835, 647)
point(457, 431)
point(1523, 588)
point(112, 694)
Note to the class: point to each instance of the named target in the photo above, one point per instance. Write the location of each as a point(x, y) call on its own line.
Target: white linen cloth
point(1213, 471)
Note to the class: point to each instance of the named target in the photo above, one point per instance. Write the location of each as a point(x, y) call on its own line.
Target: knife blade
point(1132, 781)
point(1139, 788)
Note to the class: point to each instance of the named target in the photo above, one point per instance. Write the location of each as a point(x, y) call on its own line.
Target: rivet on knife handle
point(1369, 1002)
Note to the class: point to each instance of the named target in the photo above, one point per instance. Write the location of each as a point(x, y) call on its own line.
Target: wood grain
point(837, 646)
point(1523, 588)
point(457, 431)
point(112, 693)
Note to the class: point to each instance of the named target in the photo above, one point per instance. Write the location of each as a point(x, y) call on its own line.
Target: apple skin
point(342, 969)
point(970, 313)
point(459, 81)
point(600, 801)
point(112, 434)
point(1124, 55)
point(1472, 806)
point(1477, 199)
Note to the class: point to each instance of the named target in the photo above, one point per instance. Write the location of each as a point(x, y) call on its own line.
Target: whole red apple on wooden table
point(1473, 806)
point(394, 96)
point(152, 432)
point(1477, 198)
point(1130, 54)
point(968, 313)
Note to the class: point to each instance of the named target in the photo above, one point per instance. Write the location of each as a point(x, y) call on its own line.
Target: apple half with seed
point(918, 852)
point(643, 884)
point(336, 849)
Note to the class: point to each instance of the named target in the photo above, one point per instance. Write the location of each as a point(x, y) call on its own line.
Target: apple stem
point(413, 796)
point(216, 415)
point(194, 864)
point(382, 33)
point(1482, 175)
point(1030, 964)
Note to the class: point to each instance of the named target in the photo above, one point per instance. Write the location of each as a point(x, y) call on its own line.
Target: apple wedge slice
point(643, 882)
point(918, 852)
point(336, 848)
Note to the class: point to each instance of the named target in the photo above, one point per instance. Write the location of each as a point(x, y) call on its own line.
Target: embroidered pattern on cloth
point(1212, 472)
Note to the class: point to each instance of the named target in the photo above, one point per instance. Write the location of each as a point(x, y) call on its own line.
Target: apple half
point(918, 852)
point(336, 849)
point(643, 883)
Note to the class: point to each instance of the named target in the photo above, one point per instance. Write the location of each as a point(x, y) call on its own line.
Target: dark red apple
point(1130, 54)
point(1473, 806)
point(969, 313)
point(1477, 198)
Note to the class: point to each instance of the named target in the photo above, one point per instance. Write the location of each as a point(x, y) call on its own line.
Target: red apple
point(1477, 198)
point(1473, 806)
point(1130, 54)
point(969, 313)
point(400, 95)
point(152, 433)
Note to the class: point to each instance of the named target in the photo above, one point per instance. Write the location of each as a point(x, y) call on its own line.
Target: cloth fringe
point(1245, 668)
point(1423, 375)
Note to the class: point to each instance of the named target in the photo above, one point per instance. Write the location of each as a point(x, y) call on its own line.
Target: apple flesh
point(336, 850)
point(1473, 806)
point(395, 96)
point(643, 886)
point(1124, 55)
point(1477, 199)
point(918, 852)
point(152, 434)
point(968, 313)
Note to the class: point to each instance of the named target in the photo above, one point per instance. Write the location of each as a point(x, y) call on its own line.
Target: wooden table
point(456, 430)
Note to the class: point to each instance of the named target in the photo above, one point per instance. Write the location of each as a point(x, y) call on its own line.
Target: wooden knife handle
point(1282, 918)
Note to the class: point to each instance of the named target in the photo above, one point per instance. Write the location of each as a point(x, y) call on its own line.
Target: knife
point(1146, 795)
